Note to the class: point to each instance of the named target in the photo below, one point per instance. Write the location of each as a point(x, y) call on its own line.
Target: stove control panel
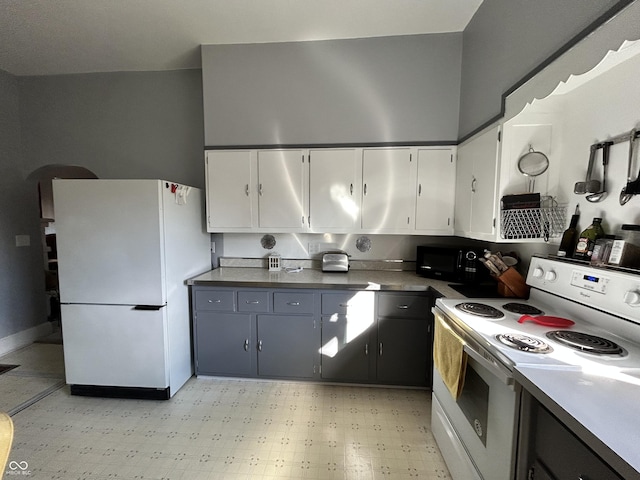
point(589, 281)
point(607, 290)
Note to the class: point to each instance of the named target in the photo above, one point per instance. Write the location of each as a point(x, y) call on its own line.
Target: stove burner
point(522, 309)
point(524, 343)
point(480, 310)
point(586, 343)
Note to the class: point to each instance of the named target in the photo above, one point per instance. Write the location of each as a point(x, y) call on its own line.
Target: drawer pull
point(259, 345)
point(294, 304)
point(253, 302)
point(403, 307)
point(345, 305)
point(215, 301)
point(380, 348)
point(246, 345)
point(366, 349)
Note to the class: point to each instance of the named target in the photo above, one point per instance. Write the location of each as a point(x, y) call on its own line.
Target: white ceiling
point(47, 37)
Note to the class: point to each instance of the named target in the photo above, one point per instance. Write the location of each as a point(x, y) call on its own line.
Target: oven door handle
point(500, 372)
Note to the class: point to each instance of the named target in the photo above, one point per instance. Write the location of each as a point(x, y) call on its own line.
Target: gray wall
point(372, 90)
point(150, 124)
point(22, 297)
point(119, 125)
point(506, 40)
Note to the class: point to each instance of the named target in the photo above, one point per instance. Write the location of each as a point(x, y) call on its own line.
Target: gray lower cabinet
point(337, 336)
point(404, 347)
point(223, 344)
point(548, 450)
point(287, 346)
point(348, 321)
point(255, 332)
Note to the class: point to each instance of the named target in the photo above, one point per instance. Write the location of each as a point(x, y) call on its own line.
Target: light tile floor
point(228, 429)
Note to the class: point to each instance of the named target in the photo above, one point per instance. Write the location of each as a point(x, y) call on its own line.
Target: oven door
point(476, 431)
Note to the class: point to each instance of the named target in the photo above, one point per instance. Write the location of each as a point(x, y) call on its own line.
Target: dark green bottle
point(587, 240)
point(569, 237)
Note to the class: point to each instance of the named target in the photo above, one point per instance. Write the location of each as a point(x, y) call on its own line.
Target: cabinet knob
point(259, 345)
point(246, 345)
point(473, 184)
point(419, 189)
point(260, 189)
point(246, 189)
point(380, 348)
point(366, 349)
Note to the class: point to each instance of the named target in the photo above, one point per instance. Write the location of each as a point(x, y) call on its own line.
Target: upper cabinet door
point(436, 191)
point(334, 192)
point(281, 190)
point(476, 182)
point(388, 190)
point(229, 190)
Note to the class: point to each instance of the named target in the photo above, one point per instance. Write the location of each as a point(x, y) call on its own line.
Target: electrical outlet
point(23, 240)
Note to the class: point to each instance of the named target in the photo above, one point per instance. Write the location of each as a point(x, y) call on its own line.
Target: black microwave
point(451, 263)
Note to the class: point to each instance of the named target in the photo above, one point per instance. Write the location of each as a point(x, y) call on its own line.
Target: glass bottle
point(569, 237)
point(587, 240)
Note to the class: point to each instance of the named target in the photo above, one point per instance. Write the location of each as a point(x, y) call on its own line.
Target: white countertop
point(311, 278)
point(600, 405)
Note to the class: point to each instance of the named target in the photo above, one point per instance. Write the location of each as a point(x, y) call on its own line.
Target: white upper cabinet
point(249, 190)
point(281, 190)
point(388, 190)
point(395, 190)
point(229, 190)
point(436, 191)
point(476, 174)
point(334, 190)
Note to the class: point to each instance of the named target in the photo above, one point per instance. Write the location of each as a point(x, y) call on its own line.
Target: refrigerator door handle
point(148, 307)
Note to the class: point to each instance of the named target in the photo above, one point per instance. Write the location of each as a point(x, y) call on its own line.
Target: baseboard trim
point(23, 338)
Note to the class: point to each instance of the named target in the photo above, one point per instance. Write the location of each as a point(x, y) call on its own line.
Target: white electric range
point(596, 342)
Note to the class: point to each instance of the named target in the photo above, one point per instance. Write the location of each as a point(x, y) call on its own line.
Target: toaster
point(335, 262)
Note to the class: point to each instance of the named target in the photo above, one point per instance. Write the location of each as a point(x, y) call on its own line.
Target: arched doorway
point(44, 176)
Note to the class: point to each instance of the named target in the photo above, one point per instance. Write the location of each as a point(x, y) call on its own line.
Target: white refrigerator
point(125, 249)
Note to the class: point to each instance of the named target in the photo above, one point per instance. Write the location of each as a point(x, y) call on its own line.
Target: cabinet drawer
point(351, 303)
point(403, 306)
point(293, 302)
point(220, 300)
point(253, 301)
point(336, 303)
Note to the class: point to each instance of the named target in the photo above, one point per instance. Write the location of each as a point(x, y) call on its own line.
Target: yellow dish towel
point(6, 438)
point(449, 357)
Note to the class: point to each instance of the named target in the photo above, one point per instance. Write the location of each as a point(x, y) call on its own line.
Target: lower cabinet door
point(403, 351)
point(288, 346)
point(223, 344)
point(344, 354)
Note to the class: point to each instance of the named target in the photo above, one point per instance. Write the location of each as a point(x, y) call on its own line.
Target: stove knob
point(551, 276)
point(632, 298)
point(538, 272)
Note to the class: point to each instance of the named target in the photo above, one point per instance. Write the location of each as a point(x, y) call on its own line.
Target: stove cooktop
point(540, 345)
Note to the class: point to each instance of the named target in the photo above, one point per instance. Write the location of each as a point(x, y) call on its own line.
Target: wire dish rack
point(527, 223)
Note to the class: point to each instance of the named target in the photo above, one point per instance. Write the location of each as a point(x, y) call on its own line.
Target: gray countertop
point(599, 406)
point(383, 280)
